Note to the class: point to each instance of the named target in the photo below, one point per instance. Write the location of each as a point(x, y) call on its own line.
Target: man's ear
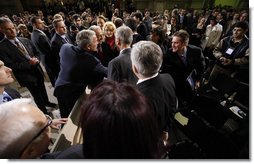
point(135, 70)
point(88, 47)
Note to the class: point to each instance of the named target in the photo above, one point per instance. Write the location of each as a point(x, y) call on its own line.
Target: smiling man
point(186, 64)
point(232, 53)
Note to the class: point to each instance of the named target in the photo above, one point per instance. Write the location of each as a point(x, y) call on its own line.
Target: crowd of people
point(142, 68)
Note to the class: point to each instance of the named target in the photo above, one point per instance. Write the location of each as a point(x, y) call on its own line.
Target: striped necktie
point(21, 48)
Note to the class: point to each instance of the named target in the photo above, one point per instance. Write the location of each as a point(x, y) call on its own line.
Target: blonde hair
point(111, 25)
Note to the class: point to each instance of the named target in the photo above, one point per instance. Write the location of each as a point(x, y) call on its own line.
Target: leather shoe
point(50, 104)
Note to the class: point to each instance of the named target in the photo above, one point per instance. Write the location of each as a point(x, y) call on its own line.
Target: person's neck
point(181, 52)
point(238, 39)
point(124, 47)
point(1, 90)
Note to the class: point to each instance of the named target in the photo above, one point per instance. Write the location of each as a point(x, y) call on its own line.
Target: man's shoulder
point(3, 41)
point(23, 39)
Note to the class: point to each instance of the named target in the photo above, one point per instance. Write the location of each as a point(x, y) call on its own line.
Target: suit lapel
point(14, 48)
point(60, 40)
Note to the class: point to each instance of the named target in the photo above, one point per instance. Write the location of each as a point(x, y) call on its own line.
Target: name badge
point(229, 51)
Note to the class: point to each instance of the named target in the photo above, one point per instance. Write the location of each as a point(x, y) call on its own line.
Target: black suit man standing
point(58, 39)
point(119, 68)
point(19, 54)
point(42, 44)
point(146, 58)
point(186, 64)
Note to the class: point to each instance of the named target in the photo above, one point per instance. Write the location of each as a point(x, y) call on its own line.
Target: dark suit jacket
point(160, 91)
point(107, 53)
point(73, 152)
point(42, 44)
point(173, 65)
point(56, 43)
point(79, 68)
point(120, 68)
point(13, 58)
point(141, 29)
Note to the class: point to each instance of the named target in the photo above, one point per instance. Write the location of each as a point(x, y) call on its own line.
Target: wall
point(10, 6)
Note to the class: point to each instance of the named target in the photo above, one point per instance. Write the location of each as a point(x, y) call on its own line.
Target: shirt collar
point(184, 52)
point(148, 78)
point(13, 40)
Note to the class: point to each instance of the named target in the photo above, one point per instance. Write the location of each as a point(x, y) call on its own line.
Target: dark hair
point(73, 28)
point(130, 22)
point(75, 16)
point(213, 18)
point(159, 31)
point(33, 19)
point(138, 15)
point(70, 13)
point(242, 25)
point(118, 22)
point(117, 122)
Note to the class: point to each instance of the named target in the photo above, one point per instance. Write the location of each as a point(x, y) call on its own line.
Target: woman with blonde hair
point(109, 30)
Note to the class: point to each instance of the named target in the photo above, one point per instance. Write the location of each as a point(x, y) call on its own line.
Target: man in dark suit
point(6, 93)
point(58, 39)
point(42, 44)
point(186, 64)
point(119, 68)
point(146, 58)
point(78, 69)
point(19, 54)
point(141, 28)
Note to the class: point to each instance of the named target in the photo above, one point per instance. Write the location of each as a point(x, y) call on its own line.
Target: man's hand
point(197, 85)
point(226, 61)
point(56, 122)
point(34, 61)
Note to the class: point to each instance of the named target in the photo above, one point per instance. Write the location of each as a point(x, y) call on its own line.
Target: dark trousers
point(67, 95)
point(39, 94)
point(47, 63)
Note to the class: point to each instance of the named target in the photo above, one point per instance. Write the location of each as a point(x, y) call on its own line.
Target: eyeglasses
point(49, 122)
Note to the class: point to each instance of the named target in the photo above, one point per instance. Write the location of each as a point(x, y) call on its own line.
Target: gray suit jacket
point(120, 69)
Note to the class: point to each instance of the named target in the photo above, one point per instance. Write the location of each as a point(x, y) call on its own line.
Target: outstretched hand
point(56, 122)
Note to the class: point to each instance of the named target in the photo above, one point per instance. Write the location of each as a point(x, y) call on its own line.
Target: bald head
point(20, 122)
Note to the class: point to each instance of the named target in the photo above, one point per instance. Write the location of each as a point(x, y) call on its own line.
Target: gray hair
point(147, 57)
point(125, 34)
point(84, 37)
point(15, 132)
point(4, 20)
point(94, 28)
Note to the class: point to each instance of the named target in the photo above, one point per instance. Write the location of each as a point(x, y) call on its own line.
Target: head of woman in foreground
point(118, 123)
